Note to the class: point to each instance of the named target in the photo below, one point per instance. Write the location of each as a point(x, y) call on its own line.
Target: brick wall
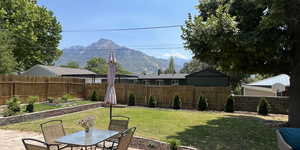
point(279, 105)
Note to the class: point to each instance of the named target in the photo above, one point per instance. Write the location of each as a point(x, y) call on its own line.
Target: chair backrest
point(118, 123)
point(33, 144)
point(125, 139)
point(52, 130)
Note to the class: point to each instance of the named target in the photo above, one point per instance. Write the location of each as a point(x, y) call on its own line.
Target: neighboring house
point(54, 71)
point(266, 87)
point(206, 78)
point(162, 79)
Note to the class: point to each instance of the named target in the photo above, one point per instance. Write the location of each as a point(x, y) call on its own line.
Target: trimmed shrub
point(51, 100)
point(30, 106)
point(202, 103)
point(14, 104)
point(229, 106)
point(176, 102)
point(263, 107)
point(152, 102)
point(13, 107)
point(174, 144)
point(94, 96)
point(131, 100)
point(65, 98)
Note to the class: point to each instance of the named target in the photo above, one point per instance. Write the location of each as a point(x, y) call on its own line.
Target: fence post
point(47, 88)
point(194, 97)
point(14, 88)
point(126, 93)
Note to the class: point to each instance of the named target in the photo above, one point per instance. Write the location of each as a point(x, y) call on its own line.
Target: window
point(175, 82)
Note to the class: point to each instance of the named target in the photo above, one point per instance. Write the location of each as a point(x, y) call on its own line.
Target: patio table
point(83, 139)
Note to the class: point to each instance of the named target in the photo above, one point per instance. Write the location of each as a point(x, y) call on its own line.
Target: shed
point(264, 87)
point(208, 77)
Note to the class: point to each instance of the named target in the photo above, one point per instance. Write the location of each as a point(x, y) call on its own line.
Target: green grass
point(204, 130)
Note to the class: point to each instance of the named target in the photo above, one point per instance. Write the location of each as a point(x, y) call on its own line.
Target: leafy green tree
point(100, 66)
point(35, 30)
point(7, 60)
point(171, 66)
point(256, 36)
point(97, 65)
point(194, 66)
point(71, 64)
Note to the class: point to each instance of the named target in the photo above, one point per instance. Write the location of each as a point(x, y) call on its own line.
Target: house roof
point(163, 76)
point(65, 71)
point(207, 73)
point(282, 78)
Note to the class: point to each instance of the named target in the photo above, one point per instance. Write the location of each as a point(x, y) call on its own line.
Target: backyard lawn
point(204, 130)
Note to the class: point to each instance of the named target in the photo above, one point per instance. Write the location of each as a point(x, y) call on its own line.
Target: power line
point(124, 29)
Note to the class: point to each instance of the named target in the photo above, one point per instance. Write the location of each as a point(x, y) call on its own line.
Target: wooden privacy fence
point(24, 86)
point(164, 95)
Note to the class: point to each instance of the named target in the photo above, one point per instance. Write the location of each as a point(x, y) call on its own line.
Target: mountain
point(132, 60)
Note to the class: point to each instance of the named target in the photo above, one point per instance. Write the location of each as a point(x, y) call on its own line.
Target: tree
point(97, 65)
point(71, 64)
point(7, 60)
point(194, 66)
point(159, 71)
point(171, 66)
point(250, 37)
point(35, 30)
point(100, 66)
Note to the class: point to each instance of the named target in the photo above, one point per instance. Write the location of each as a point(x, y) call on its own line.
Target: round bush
point(131, 101)
point(174, 144)
point(152, 102)
point(263, 107)
point(176, 102)
point(229, 106)
point(31, 100)
point(202, 103)
point(94, 96)
point(14, 104)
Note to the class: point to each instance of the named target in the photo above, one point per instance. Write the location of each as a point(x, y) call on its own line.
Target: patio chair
point(33, 144)
point(52, 130)
point(124, 140)
point(117, 123)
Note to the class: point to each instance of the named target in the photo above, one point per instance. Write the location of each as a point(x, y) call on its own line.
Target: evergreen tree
point(171, 66)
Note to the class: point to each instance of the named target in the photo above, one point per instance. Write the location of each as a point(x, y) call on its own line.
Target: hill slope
point(132, 60)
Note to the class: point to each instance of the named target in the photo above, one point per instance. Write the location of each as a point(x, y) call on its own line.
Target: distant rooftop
point(65, 71)
point(163, 76)
point(282, 78)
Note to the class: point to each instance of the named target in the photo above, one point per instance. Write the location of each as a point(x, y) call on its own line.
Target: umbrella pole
point(110, 111)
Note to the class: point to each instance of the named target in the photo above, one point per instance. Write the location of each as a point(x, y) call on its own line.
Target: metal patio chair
point(52, 130)
point(33, 144)
point(123, 140)
point(117, 123)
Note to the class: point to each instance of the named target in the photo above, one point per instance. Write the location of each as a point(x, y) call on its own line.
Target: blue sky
point(108, 14)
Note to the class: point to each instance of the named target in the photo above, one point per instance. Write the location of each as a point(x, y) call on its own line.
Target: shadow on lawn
point(230, 132)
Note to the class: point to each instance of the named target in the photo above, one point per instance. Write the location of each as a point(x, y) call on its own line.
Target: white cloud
point(176, 54)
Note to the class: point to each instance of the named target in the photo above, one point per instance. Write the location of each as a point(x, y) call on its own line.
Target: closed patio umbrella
point(110, 96)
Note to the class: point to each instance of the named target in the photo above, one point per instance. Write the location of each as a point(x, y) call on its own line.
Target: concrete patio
point(12, 140)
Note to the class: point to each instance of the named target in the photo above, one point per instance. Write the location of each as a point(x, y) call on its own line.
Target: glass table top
point(82, 138)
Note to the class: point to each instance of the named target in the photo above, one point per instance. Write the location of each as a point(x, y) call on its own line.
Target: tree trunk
point(294, 101)
point(293, 20)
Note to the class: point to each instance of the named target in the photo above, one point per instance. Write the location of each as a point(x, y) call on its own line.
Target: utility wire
point(124, 29)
